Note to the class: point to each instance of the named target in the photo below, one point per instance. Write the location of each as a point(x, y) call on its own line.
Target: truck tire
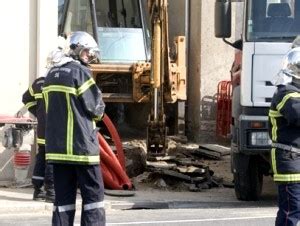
point(248, 183)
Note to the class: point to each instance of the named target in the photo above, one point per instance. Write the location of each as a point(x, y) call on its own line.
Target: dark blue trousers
point(42, 172)
point(67, 178)
point(289, 204)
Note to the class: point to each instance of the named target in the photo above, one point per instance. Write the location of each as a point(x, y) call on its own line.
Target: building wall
point(210, 60)
point(27, 36)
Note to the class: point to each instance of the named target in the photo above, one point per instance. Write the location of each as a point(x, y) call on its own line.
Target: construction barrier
point(224, 100)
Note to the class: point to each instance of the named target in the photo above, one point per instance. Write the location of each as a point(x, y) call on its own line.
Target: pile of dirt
point(180, 170)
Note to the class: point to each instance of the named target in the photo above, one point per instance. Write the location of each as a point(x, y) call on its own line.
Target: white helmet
point(291, 63)
point(83, 47)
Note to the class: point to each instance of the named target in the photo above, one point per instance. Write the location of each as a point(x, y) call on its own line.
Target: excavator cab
point(119, 26)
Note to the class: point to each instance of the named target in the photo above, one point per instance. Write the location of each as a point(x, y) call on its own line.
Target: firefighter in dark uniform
point(284, 119)
point(73, 105)
point(42, 172)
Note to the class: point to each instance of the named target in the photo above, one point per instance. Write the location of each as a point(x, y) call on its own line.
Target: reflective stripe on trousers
point(95, 205)
point(90, 206)
point(64, 208)
point(37, 178)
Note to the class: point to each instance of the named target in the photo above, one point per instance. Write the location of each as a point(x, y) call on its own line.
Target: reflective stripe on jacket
point(33, 100)
point(284, 128)
point(73, 101)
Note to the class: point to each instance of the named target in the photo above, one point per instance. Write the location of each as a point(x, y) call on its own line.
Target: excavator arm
point(166, 78)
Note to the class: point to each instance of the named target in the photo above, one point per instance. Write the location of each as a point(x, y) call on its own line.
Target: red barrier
point(224, 100)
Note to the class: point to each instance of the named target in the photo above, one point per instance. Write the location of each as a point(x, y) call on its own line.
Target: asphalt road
point(253, 216)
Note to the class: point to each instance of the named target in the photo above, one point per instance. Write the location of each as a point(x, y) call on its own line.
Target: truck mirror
point(222, 18)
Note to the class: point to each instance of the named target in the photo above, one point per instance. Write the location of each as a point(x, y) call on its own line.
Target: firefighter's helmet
point(291, 63)
point(83, 44)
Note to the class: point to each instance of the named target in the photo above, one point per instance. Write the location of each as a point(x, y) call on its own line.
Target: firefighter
point(42, 172)
point(73, 105)
point(284, 119)
point(33, 100)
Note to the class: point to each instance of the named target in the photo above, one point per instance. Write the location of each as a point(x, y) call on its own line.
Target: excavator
point(135, 64)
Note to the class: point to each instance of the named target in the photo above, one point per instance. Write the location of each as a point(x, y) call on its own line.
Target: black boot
point(49, 184)
point(38, 195)
point(50, 196)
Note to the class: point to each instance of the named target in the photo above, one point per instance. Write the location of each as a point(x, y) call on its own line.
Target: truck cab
point(269, 28)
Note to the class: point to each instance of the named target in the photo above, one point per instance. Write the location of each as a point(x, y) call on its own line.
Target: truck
point(269, 28)
point(136, 66)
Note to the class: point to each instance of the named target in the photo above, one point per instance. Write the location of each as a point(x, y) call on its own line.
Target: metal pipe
point(156, 59)
point(94, 20)
point(155, 104)
point(187, 29)
point(156, 53)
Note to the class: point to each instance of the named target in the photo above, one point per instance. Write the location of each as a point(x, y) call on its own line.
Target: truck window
point(272, 20)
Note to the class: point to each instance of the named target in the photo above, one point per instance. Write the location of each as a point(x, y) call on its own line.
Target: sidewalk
point(20, 200)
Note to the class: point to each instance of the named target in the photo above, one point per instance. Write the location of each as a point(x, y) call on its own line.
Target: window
point(118, 13)
point(122, 37)
point(78, 17)
point(272, 20)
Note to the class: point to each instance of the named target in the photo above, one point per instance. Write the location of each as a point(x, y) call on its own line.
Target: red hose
point(114, 176)
point(108, 179)
point(113, 166)
point(116, 139)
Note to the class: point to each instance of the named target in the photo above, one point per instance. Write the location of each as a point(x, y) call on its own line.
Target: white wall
point(46, 32)
point(24, 46)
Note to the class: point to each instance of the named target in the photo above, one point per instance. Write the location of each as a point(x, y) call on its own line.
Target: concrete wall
point(27, 36)
point(210, 60)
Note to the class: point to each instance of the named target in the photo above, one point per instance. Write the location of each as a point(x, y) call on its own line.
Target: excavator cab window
point(116, 13)
point(78, 16)
point(122, 36)
point(121, 27)
point(60, 13)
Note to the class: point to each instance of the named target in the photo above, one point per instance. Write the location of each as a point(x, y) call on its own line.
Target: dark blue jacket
point(33, 100)
point(284, 128)
point(73, 104)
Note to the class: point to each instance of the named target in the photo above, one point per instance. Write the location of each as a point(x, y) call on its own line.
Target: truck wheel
point(248, 183)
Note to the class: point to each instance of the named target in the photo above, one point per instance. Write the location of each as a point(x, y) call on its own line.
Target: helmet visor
point(89, 55)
